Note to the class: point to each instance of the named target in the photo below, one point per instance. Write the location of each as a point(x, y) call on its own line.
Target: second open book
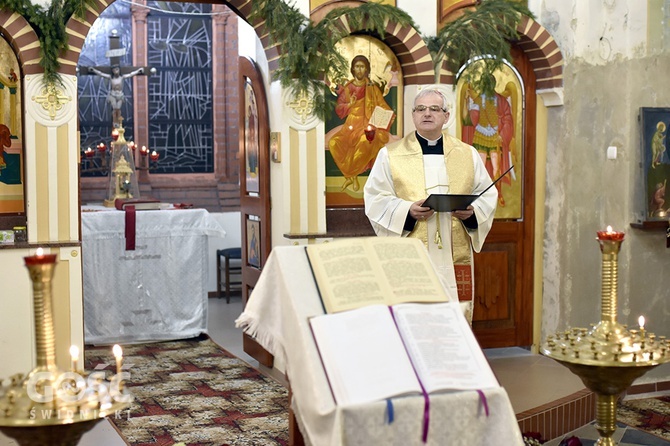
point(355, 272)
point(378, 352)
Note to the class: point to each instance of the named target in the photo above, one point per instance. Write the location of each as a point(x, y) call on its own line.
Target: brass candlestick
point(609, 357)
point(49, 405)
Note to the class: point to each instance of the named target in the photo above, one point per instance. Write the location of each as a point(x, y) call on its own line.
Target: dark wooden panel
point(492, 301)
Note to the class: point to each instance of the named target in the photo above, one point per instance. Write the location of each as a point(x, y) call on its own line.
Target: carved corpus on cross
point(116, 75)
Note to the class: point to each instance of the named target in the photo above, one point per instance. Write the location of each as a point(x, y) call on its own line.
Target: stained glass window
point(180, 92)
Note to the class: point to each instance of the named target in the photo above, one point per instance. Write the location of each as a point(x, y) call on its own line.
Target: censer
point(609, 357)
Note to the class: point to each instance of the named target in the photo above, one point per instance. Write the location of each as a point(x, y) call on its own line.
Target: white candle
point(118, 354)
point(74, 354)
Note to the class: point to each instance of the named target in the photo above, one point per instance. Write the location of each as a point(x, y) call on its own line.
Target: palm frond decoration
point(486, 30)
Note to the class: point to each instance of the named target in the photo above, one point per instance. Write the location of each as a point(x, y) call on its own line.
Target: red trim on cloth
point(464, 282)
point(130, 227)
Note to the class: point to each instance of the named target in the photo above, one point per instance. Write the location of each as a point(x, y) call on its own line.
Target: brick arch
point(416, 62)
point(23, 40)
point(77, 29)
point(404, 41)
point(542, 51)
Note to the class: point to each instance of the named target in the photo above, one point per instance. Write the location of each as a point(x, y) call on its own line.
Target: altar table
point(277, 315)
point(153, 293)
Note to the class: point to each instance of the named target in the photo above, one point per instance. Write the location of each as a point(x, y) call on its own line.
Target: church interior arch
point(535, 42)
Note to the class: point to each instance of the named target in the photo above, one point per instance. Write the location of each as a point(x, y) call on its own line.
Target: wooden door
point(254, 163)
point(503, 315)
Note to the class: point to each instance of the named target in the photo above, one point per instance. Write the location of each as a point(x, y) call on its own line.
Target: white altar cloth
point(156, 292)
point(277, 315)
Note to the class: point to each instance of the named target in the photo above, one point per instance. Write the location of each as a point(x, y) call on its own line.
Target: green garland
point(49, 25)
point(486, 30)
point(307, 49)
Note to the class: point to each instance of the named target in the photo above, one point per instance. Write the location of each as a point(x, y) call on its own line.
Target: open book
point(351, 273)
point(382, 118)
point(367, 357)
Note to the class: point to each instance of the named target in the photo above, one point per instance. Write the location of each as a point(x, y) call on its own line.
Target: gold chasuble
point(407, 170)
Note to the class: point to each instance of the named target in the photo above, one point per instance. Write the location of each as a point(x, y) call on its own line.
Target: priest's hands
point(418, 212)
point(464, 214)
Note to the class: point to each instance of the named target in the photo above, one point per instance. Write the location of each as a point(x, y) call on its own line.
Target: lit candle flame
point(118, 353)
point(609, 229)
point(640, 322)
point(74, 352)
point(39, 252)
point(74, 355)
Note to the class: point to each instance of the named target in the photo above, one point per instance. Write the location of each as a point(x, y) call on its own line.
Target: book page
point(360, 271)
point(443, 348)
point(381, 118)
point(407, 270)
point(363, 355)
point(345, 275)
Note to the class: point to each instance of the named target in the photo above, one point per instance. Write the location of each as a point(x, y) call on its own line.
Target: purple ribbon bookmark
point(485, 403)
point(426, 399)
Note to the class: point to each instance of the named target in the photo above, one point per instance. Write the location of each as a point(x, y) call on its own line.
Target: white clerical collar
point(431, 142)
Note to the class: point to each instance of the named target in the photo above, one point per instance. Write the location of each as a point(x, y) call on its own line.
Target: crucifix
point(116, 75)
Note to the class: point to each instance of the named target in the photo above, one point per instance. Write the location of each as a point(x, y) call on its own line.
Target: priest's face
point(429, 116)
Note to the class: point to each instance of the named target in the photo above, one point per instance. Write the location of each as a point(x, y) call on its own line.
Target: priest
point(430, 161)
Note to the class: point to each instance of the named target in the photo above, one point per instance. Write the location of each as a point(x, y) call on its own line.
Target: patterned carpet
point(651, 415)
point(194, 392)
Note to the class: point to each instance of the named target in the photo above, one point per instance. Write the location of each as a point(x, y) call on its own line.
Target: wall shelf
point(651, 225)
